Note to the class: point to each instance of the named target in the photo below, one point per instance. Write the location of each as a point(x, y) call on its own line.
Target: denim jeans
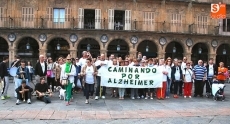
point(168, 84)
point(98, 87)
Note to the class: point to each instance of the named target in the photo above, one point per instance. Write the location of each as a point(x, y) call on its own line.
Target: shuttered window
point(27, 14)
point(202, 24)
point(148, 21)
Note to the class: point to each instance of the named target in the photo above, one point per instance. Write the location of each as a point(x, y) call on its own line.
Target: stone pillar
point(212, 56)
point(188, 55)
point(73, 53)
point(133, 53)
point(12, 53)
point(103, 51)
point(43, 51)
point(161, 55)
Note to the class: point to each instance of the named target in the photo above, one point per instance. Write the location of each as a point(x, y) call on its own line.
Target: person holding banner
point(101, 66)
point(161, 91)
point(134, 91)
point(151, 63)
point(121, 90)
point(114, 90)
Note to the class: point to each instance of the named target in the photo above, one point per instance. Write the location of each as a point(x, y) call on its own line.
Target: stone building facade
point(157, 28)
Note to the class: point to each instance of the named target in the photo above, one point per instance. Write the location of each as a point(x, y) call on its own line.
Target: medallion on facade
point(104, 38)
point(12, 37)
point(134, 40)
point(189, 42)
point(214, 43)
point(162, 41)
point(73, 38)
point(42, 37)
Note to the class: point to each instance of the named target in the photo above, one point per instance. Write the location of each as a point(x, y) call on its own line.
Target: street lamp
point(224, 51)
point(174, 49)
point(88, 47)
point(58, 46)
point(28, 46)
point(199, 50)
point(118, 47)
point(147, 48)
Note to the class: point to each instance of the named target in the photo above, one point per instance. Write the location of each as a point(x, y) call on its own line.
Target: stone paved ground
point(113, 111)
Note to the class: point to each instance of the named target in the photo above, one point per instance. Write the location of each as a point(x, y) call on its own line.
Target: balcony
point(126, 25)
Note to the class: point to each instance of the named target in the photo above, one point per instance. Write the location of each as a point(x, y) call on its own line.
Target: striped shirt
point(199, 72)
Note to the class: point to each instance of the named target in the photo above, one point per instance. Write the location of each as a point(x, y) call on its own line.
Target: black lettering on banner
point(131, 82)
point(147, 70)
point(154, 70)
point(140, 82)
point(136, 70)
point(126, 81)
point(130, 70)
point(135, 82)
point(110, 81)
point(123, 75)
point(145, 82)
point(151, 82)
point(130, 76)
point(137, 76)
point(142, 70)
point(120, 80)
point(114, 81)
point(120, 69)
point(115, 69)
point(109, 69)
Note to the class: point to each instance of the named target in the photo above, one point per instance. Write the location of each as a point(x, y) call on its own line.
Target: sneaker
point(138, 97)
point(103, 97)
point(167, 97)
point(96, 97)
point(190, 96)
point(28, 101)
point(142, 97)
point(17, 102)
point(86, 101)
point(151, 98)
point(146, 97)
point(184, 96)
point(7, 97)
point(3, 98)
point(132, 97)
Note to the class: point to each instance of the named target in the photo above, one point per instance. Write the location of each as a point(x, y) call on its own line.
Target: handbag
point(65, 81)
point(49, 72)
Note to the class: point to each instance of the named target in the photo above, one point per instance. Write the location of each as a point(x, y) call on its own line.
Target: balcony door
point(89, 18)
point(27, 17)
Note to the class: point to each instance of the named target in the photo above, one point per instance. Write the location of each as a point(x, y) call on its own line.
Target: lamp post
point(58, 45)
point(174, 49)
point(147, 48)
point(88, 47)
point(28, 45)
point(200, 50)
point(118, 47)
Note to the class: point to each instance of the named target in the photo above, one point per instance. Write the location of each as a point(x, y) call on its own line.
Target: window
point(176, 22)
point(27, 14)
point(202, 24)
point(226, 25)
point(59, 15)
point(1, 17)
point(148, 22)
point(27, 17)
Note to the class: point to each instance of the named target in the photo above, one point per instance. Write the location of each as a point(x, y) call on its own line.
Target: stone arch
point(183, 45)
point(5, 38)
point(118, 38)
point(153, 48)
point(222, 53)
point(179, 50)
point(52, 37)
point(203, 55)
point(95, 46)
point(4, 48)
point(111, 49)
point(17, 41)
point(83, 38)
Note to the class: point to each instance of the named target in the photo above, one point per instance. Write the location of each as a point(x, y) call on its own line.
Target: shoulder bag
point(66, 80)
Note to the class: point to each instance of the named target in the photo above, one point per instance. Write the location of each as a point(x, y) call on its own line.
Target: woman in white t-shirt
point(188, 79)
point(89, 73)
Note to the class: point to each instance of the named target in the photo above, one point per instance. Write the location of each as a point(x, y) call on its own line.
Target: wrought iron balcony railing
point(104, 24)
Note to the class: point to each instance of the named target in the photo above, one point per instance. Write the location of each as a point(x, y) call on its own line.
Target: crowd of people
point(84, 74)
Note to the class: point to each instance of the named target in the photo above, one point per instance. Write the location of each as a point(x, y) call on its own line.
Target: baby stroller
point(218, 91)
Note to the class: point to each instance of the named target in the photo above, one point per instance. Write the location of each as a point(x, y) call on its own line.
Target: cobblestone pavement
point(112, 111)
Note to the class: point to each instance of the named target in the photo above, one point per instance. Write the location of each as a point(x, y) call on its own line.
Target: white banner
point(132, 77)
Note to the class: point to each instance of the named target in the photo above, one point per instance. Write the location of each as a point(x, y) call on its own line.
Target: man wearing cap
point(23, 93)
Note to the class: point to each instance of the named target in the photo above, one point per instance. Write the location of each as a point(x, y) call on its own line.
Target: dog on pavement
point(62, 92)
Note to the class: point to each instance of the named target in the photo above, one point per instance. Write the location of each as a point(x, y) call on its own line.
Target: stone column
point(161, 55)
point(212, 56)
point(133, 53)
point(103, 51)
point(43, 51)
point(188, 55)
point(73, 53)
point(12, 53)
